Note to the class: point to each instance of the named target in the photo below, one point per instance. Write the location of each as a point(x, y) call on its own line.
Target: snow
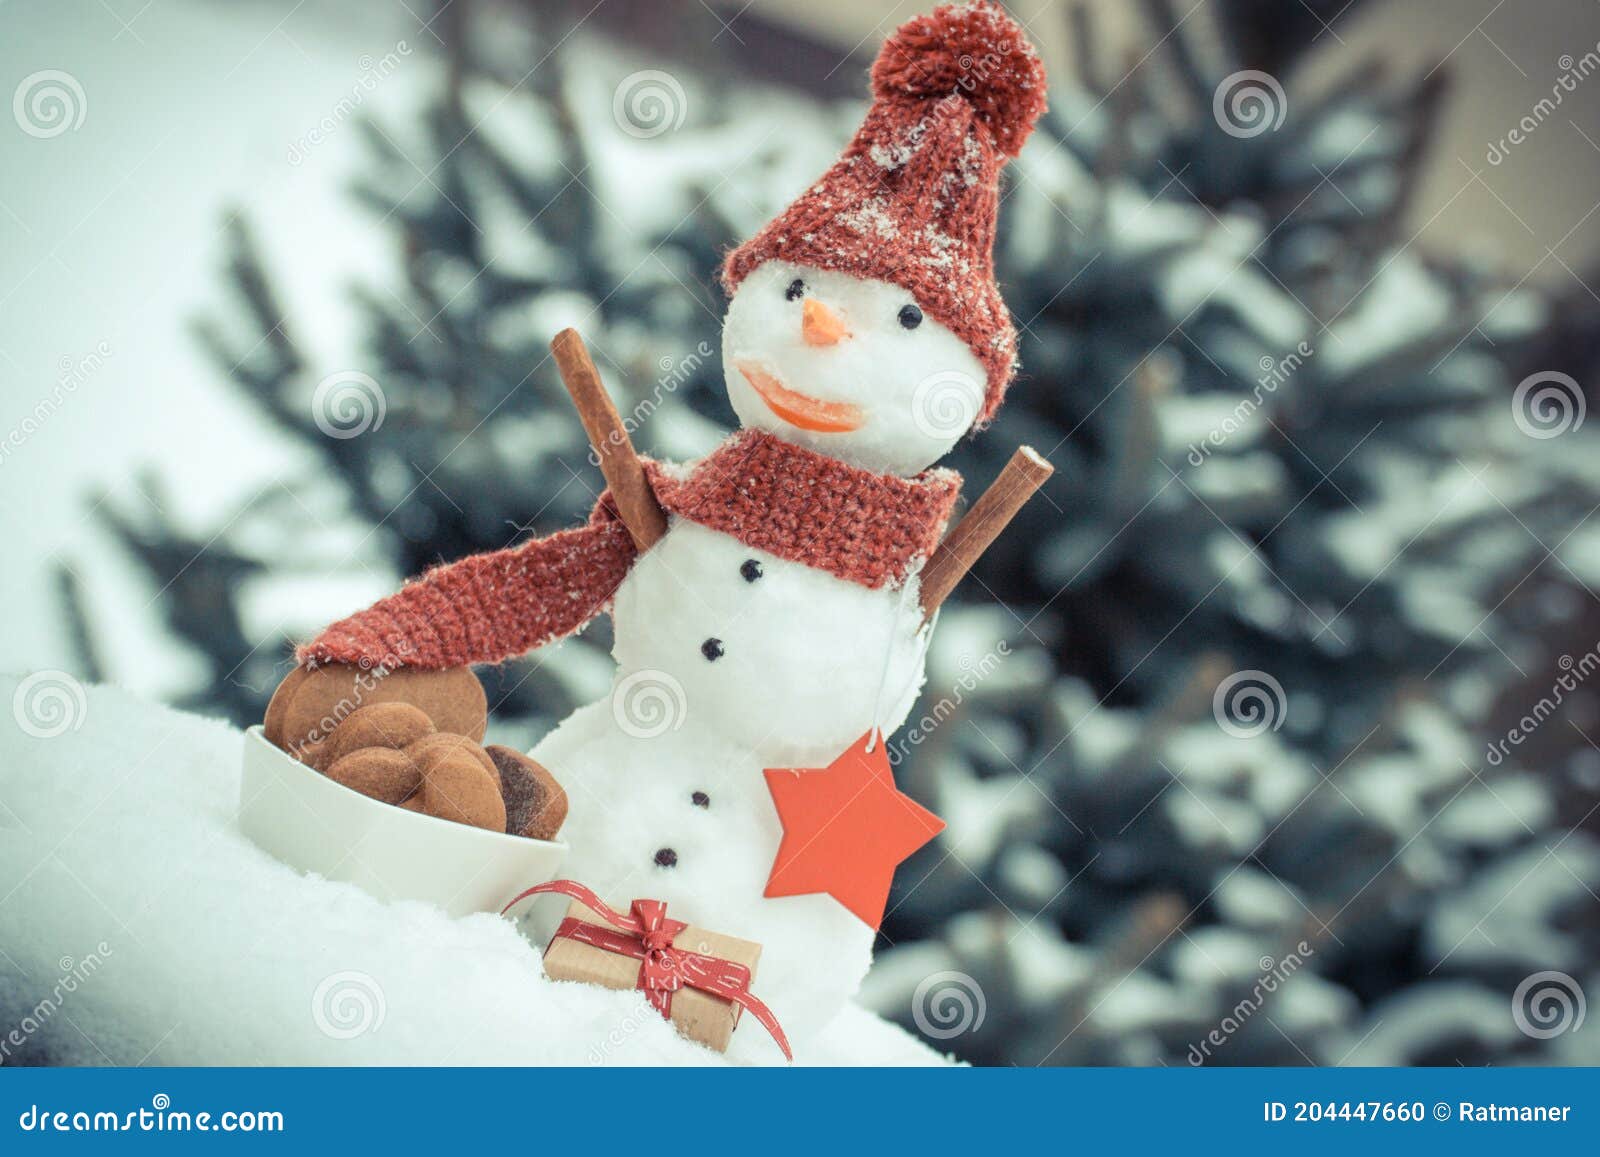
point(138, 926)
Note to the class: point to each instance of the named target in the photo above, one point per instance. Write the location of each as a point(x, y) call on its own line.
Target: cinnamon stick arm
point(995, 507)
point(619, 462)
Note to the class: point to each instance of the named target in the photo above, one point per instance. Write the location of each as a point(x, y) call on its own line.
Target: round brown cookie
point(395, 725)
point(272, 722)
point(327, 695)
point(456, 787)
point(311, 754)
point(441, 744)
point(536, 805)
point(380, 772)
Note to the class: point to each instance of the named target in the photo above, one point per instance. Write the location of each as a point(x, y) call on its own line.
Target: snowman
point(777, 622)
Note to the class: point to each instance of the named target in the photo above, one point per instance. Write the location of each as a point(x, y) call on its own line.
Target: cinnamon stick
point(619, 462)
point(995, 507)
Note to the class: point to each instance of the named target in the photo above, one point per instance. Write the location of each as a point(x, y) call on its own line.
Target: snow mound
point(138, 926)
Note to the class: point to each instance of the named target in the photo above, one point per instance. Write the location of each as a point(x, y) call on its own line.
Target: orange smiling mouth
point(802, 410)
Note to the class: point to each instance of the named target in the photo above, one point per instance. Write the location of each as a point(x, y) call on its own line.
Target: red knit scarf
point(771, 495)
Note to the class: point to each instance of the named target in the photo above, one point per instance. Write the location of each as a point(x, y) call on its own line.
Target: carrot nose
point(819, 325)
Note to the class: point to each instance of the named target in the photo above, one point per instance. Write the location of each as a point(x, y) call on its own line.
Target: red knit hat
point(913, 199)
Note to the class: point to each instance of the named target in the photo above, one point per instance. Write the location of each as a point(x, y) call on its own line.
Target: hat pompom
point(977, 51)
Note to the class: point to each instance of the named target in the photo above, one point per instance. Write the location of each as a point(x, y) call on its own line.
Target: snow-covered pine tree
point(1266, 600)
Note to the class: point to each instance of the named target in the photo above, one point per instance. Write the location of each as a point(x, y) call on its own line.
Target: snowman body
point(665, 775)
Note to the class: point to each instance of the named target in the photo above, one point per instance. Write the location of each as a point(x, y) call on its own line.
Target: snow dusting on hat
point(913, 199)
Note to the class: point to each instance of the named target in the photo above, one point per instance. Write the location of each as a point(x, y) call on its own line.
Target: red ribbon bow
point(647, 934)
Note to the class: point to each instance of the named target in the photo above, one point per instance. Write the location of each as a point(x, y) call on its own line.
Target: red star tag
point(846, 828)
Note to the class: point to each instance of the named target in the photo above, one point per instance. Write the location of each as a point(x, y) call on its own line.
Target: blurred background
point(1266, 737)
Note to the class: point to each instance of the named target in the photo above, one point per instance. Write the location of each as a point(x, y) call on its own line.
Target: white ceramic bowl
point(308, 821)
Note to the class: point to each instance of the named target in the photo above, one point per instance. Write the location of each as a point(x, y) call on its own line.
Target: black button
point(751, 570)
point(666, 858)
point(711, 649)
point(700, 799)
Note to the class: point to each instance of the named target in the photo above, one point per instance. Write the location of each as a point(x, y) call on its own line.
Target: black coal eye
point(712, 650)
point(796, 290)
point(666, 858)
point(750, 569)
point(910, 316)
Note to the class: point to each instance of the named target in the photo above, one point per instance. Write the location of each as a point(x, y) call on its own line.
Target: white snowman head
point(865, 321)
point(848, 366)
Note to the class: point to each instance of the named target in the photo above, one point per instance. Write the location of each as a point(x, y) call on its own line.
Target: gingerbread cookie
point(434, 747)
point(312, 703)
point(393, 725)
point(456, 787)
point(536, 805)
point(272, 723)
point(380, 772)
